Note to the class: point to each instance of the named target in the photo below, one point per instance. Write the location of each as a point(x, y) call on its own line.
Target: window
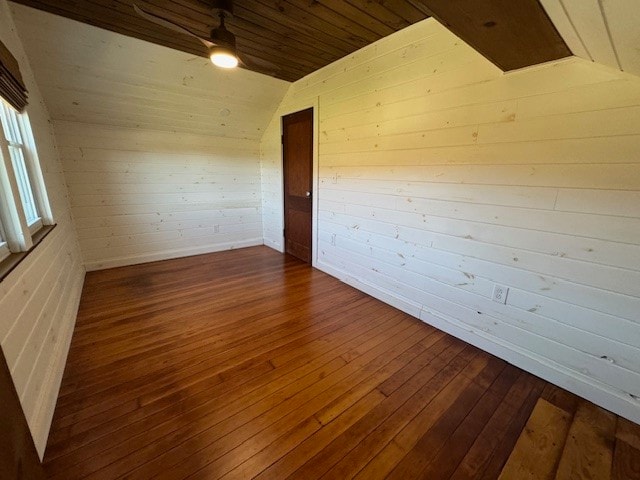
point(24, 207)
point(11, 127)
point(4, 248)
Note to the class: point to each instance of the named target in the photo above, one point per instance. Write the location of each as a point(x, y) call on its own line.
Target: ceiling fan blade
point(169, 24)
point(259, 64)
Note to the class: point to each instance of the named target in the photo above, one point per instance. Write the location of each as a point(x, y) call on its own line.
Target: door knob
point(308, 194)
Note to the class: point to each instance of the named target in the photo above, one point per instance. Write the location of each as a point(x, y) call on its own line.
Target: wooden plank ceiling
point(511, 33)
point(603, 32)
point(302, 36)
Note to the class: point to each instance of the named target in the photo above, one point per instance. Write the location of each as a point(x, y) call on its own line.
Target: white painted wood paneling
point(137, 198)
point(39, 299)
point(99, 77)
point(160, 148)
point(563, 23)
point(623, 21)
point(605, 31)
point(437, 182)
point(586, 16)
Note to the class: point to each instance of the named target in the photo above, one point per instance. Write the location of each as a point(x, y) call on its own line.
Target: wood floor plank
point(210, 368)
point(431, 348)
point(178, 370)
point(281, 418)
point(419, 390)
point(353, 433)
point(409, 370)
point(425, 418)
point(626, 462)
point(424, 438)
point(331, 330)
point(254, 467)
point(227, 414)
point(242, 399)
point(456, 447)
point(628, 432)
point(538, 450)
point(271, 340)
point(490, 468)
point(588, 453)
point(480, 452)
point(310, 447)
point(194, 350)
point(420, 413)
point(559, 397)
point(217, 319)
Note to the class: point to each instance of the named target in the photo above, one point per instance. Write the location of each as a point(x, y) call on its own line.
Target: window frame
point(17, 235)
point(4, 246)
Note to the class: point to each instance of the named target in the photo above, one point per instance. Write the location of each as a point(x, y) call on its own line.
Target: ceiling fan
point(221, 44)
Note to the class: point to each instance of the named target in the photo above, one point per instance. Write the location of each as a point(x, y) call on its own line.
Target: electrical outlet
point(216, 229)
point(500, 293)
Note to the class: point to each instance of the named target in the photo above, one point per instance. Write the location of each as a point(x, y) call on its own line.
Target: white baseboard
point(277, 245)
point(613, 400)
point(169, 254)
point(401, 303)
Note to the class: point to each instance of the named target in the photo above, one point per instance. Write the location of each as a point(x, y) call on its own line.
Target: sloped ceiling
point(290, 39)
point(297, 36)
point(604, 31)
point(91, 75)
point(513, 34)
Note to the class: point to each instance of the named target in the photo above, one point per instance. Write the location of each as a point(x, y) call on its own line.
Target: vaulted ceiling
point(302, 36)
point(603, 31)
point(299, 36)
point(90, 75)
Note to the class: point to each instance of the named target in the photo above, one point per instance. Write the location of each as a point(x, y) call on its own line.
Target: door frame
point(315, 178)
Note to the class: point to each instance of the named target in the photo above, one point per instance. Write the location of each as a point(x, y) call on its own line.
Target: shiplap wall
point(39, 299)
point(142, 195)
point(160, 149)
point(605, 31)
point(439, 177)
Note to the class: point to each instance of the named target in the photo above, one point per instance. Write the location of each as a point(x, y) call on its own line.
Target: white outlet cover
point(500, 293)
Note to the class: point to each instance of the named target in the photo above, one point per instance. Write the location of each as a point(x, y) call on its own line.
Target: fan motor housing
point(222, 36)
point(222, 5)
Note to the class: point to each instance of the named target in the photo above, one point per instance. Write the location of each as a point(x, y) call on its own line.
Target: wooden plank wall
point(440, 177)
point(605, 32)
point(143, 195)
point(95, 76)
point(18, 456)
point(160, 148)
point(39, 299)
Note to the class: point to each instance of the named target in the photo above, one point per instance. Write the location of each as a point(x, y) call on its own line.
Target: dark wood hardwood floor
point(250, 364)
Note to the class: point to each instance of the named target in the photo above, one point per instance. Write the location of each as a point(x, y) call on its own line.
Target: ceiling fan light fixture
point(223, 51)
point(221, 43)
point(223, 57)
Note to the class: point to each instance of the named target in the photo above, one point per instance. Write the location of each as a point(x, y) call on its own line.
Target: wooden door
point(297, 156)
